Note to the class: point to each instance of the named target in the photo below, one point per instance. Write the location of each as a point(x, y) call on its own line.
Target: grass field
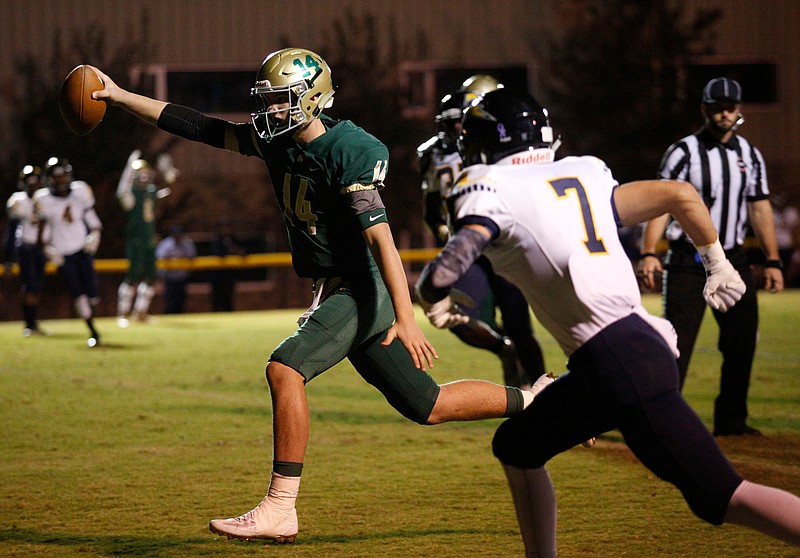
point(130, 448)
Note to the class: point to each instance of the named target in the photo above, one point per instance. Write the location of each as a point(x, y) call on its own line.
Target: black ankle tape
point(289, 468)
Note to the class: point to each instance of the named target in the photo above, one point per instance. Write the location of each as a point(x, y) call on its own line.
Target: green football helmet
point(142, 171)
point(295, 76)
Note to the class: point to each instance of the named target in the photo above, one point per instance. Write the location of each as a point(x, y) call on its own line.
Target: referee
point(730, 175)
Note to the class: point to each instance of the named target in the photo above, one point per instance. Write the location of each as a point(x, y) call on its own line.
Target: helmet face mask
point(502, 123)
point(278, 109)
point(448, 117)
point(292, 88)
point(58, 175)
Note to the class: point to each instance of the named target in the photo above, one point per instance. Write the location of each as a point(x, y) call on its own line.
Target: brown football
point(80, 112)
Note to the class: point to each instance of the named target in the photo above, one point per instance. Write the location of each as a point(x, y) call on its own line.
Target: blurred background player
point(25, 245)
point(440, 164)
point(176, 246)
point(67, 206)
point(223, 280)
point(137, 194)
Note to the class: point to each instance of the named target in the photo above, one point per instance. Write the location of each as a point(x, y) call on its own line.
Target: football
point(80, 112)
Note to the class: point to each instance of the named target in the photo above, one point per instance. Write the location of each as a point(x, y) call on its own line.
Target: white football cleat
point(263, 522)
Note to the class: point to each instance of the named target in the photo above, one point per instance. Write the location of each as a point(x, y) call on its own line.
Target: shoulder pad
point(15, 197)
point(82, 190)
point(358, 156)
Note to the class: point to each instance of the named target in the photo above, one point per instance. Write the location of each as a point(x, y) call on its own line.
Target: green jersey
point(313, 183)
point(140, 228)
point(140, 233)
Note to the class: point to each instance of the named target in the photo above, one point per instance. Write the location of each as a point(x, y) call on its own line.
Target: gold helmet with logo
point(142, 171)
point(295, 76)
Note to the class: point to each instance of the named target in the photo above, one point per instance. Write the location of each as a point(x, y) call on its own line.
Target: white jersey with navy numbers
point(557, 240)
point(70, 217)
point(439, 166)
point(440, 171)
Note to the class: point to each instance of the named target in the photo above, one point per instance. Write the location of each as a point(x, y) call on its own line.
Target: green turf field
point(130, 448)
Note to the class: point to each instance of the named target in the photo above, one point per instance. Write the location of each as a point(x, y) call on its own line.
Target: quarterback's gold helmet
point(295, 76)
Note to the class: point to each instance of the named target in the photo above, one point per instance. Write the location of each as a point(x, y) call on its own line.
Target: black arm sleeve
point(193, 125)
point(450, 264)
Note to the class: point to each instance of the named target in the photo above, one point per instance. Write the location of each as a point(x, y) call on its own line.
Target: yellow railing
point(249, 261)
point(273, 259)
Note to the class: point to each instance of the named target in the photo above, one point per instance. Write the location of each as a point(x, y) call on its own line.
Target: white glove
point(92, 243)
point(53, 255)
point(446, 314)
point(135, 155)
point(724, 286)
point(541, 383)
point(167, 168)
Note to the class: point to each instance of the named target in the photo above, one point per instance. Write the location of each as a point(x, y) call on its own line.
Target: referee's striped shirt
point(726, 177)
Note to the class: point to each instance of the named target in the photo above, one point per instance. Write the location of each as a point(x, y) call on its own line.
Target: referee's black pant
point(684, 306)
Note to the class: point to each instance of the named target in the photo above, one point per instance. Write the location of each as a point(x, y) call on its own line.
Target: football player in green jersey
point(137, 194)
point(326, 175)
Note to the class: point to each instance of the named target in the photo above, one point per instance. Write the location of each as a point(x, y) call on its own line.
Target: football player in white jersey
point(68, 207)
point(28, 234)
point(514, 343)
point(551, 228)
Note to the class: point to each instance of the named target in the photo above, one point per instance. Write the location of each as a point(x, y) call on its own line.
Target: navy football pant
point(625, 377)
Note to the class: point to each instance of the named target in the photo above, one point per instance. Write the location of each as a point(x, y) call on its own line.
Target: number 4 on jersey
point(301, 207)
